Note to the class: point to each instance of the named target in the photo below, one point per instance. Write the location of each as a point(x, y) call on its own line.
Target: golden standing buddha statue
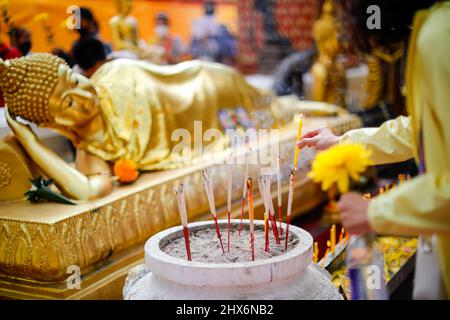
point(329, 80)
point(124, 27)
point(127, 110)
point(124, 30)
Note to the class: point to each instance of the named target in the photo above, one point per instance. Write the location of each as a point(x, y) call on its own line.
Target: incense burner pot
point(291, 275)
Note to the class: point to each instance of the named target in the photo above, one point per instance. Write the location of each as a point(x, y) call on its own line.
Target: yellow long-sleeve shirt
point(421, 206)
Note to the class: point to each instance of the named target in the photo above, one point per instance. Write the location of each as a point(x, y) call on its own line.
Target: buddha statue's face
point(74, 100)
point(124, 6)
point(326, 36)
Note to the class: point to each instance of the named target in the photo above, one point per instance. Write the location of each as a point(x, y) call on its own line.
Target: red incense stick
point(266, 229)
point(251, 215)
point(288, 222)
point(229, 226)
point(271, 209)
point(289, 208)
point(262, 190)
point(186, 240)
point(273, 224)
point(280, 214)
point(280, 219)
point(230, 186)
point(218, 234)
point(252, 240)
point(242, 214)
point(244, 193)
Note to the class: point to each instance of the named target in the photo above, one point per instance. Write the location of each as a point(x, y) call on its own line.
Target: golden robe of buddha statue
point(127, 110)
point(329, 82)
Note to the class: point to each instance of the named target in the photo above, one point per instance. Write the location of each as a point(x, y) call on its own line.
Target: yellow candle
point(333, 238)
point(326, 253)
point(299, 136)
point(316, 252)
point(341, 236)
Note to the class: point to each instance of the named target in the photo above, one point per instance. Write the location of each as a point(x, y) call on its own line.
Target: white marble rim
point(227, 274)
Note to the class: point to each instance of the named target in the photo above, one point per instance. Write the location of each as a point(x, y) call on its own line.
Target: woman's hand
point(353, 210)
point(321, 138)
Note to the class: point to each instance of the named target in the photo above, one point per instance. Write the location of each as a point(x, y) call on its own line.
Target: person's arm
point(419, 206)
point(390, 143)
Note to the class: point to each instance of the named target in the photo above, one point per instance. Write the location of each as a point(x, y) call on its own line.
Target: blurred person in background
point(89, 29)
point(211, 41)
point(20, 38)
point(174, 49)
point(89, 55)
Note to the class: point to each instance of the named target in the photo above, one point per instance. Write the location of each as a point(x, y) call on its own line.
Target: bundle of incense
point(183, 214)
point(271, 213)
point(244, 192)
point(230, 183)
point(289, 206)
point(208, 186)
point(280, 199)
point(266, 209)
point(251, 216)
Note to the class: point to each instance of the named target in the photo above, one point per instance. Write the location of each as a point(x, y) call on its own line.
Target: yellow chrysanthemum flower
point(340, 164)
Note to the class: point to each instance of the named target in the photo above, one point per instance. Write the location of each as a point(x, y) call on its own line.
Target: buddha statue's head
point(325, 31)
point(124, 6)
point(43, 89)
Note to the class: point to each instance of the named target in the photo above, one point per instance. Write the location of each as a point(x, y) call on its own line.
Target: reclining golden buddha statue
point(127, 110)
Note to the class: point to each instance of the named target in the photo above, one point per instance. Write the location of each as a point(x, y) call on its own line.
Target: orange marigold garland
point(126, 171)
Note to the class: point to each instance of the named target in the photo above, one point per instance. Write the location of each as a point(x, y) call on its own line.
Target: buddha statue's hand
point(21, 131)
point(69, 181)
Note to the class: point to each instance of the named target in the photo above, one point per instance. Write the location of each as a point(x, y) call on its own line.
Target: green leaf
point(44, 194)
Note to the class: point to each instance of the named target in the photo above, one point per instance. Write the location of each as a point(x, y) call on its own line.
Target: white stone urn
point(291, 275)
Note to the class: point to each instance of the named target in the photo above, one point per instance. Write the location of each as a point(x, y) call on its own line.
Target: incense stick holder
point(289, 275)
